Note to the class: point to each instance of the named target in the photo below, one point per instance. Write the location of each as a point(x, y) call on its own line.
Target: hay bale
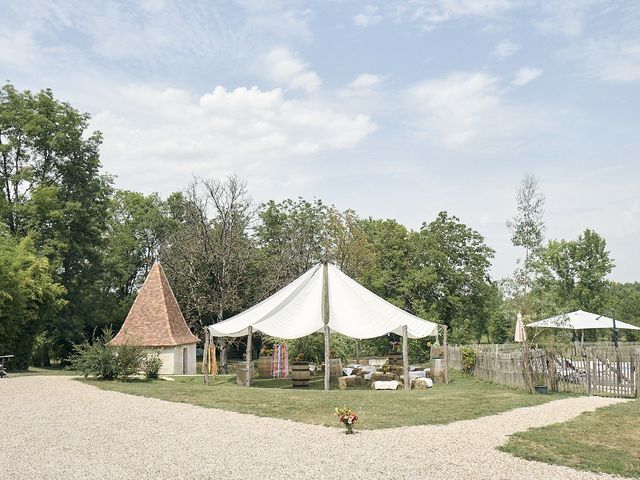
point(384, 377)
point(421, 383)
point(382, 385)
point(349, 381)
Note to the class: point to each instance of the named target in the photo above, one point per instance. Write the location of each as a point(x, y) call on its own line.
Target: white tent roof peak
point(581, 320)
point(296, 311)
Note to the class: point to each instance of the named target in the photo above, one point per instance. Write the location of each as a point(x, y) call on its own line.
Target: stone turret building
point(156, 322)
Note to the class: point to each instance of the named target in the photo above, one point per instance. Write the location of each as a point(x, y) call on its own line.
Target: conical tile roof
point(155, 319)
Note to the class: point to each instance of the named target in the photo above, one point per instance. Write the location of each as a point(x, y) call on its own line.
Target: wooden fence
point(595, 369)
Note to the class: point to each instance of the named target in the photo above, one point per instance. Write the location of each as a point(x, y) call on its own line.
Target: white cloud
point(454, 107)
point(612, 59)
point(505, 49)
point(285, 68)
point(472, 112)
point(365, 81)
point(368, 17)
point(565, 17)
point(526, 75)
point(429, 13)
point(159, 137)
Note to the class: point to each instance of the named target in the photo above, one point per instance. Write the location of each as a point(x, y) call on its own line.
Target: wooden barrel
point(264, 366)
point(437, 370)
point(300, 374)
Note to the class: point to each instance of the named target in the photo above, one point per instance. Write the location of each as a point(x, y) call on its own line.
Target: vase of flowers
point(347, 417)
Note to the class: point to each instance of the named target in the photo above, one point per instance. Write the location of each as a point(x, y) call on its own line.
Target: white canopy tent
point(581, 320)
point(325, 300)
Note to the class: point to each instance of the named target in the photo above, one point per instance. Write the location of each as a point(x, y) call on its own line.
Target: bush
point(102, 361)
point(468, 359)
point(130, 360)
point(151, 365)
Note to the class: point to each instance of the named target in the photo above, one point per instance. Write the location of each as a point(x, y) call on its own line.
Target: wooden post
point(247, 379)
point(405, 357)
point(637, 372)
point(588, 369)
point(446, 356)
point(325, 319)
point(205, 356)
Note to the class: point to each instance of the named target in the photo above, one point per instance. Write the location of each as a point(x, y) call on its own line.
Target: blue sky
point(395, 109)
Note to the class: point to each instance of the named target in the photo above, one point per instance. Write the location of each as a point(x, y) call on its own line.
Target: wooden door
point(185, 362)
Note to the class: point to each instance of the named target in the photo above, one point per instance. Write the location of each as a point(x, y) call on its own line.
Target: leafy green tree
point(28, 297)
point(574, 272)
point(459, 260)
point(52, 191)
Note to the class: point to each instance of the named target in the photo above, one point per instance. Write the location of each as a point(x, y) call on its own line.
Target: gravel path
point(62, 429)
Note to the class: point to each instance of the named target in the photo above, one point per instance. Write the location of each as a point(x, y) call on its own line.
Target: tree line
point(74, 249)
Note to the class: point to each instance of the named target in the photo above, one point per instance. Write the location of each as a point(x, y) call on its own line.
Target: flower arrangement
point(266, 351)
point(395, 346)
point(385, 368)
point(299, 357)
point(348, 417)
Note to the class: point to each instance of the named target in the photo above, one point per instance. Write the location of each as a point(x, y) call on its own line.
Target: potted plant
point(300, 372)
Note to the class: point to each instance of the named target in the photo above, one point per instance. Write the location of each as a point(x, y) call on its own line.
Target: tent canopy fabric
point(581, 320)
point(296, 311)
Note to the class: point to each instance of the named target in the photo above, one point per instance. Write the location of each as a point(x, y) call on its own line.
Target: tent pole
point(446, 355)
point(325, 319)
point(205, 356)
point(405, 357)
point(247, 379)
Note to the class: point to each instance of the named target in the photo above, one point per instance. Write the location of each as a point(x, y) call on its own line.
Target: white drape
point(296, 311)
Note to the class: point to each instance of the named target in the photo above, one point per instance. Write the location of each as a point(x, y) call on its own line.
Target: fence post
point(637, 376)
point(588, 370)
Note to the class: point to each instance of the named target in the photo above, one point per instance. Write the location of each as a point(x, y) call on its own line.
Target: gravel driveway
point(56, 428)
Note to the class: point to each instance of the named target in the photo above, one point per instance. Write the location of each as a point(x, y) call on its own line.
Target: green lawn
point(463, 398)
point(607, 440)
point(42, 371)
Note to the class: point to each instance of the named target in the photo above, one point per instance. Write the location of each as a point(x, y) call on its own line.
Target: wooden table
point(3, 360)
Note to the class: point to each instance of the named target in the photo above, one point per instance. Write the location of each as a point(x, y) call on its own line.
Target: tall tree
point(527, 229)
point(52, 191)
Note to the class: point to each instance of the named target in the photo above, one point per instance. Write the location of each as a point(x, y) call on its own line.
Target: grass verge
point(463, 398)
point(606, 441)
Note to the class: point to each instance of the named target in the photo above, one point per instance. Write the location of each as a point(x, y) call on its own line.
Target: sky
point(396, 109)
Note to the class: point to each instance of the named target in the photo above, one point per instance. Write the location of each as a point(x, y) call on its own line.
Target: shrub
point(151, 365)
point(468, 359)
point(130, 360)
point(98, 359)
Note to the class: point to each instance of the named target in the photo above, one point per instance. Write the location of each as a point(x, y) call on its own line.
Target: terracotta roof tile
point(155, 319)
